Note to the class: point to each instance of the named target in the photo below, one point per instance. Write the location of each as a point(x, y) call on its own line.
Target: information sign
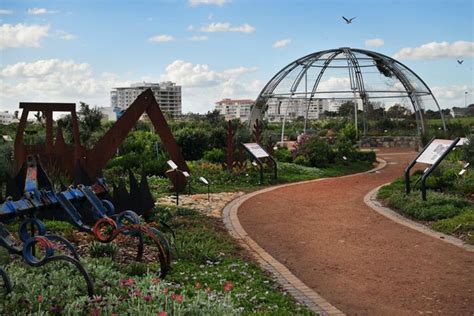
point(172, 164)
point(434, 151)
point(256, 150)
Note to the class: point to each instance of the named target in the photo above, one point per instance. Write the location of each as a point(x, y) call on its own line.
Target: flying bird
point(460, 61)
point(348, 21)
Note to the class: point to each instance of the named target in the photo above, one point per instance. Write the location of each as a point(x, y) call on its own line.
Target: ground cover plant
point(211, 275)
point(450, 198)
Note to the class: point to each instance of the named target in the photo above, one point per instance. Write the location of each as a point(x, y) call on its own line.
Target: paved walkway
point(358, 260)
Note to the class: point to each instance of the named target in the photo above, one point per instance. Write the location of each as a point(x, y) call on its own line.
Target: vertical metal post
point(407, 170)
point(32, 231)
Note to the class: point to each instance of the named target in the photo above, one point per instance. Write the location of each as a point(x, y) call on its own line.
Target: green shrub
point(302, 160)
point(317, 151)
point(215, 155)
point(368, 156)
point(348, 133)
point(193, 142)
point(282, 155)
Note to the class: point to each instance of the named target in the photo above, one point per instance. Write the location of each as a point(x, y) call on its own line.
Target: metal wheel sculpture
point(347, 74)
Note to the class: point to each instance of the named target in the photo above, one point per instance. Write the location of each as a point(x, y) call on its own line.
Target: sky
point(71, 51)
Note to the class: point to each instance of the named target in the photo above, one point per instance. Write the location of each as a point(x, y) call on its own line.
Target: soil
point(358, 260)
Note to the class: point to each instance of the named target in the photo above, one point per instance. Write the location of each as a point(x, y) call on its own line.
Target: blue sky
point(77, 50)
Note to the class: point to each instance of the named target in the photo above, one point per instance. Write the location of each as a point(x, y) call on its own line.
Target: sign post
point(206, 182)
point(258, 153)
point(432, 154)
point(174, 167)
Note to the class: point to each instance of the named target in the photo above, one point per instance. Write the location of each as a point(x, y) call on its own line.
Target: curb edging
point(370, 199)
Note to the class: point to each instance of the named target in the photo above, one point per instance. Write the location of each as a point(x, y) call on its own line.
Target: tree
point(214, 117)
point(346, 108)
point(398, 111)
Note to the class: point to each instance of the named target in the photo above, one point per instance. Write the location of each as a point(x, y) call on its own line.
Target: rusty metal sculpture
point(86, 207)
point(68, 158)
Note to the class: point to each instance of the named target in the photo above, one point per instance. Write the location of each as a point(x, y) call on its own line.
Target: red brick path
point(358, 260)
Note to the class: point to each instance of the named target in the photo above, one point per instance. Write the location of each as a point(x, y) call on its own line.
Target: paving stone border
point(371, 200)
point(290, 283)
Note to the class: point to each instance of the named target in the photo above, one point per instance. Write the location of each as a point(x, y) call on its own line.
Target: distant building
point(463, 112)
point(295, 108)
point(7, 118)
point(168, 95)
point(235, 109)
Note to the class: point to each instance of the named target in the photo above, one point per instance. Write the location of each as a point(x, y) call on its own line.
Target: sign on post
point(434, 151)
point(256, 150)
point(432, 154)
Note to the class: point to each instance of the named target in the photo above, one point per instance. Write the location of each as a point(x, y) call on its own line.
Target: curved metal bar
point(257, 109)
point(65, 242)
point(321, 73)
point(23, 229)
point(29, 245)
point(7, 284)
point(77, 264)
point(138, 231)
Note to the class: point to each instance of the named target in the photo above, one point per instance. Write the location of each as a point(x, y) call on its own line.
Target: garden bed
point(211, 275)
point(447, 213)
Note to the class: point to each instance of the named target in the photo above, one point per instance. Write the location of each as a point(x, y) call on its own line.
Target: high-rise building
point(167, 94)
point(235, 109)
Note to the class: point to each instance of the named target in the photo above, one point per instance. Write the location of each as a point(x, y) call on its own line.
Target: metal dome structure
point(348, 74)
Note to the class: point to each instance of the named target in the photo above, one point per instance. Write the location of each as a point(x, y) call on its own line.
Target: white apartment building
point(235, 109)
point(7, 118)
point(297, 107)
point(167, 94)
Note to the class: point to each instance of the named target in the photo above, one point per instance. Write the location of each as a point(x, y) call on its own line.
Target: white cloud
point(161, 38)
point(54, 80)
point(227, 27)
point(66, 36)
point(376, 42)
point(335, 84)
point(435, 50)
point(282, 43)
point(195, 3)
point(198, 38)
point(39, 11)
point(22, 35)
point(190, 28)
point(202, 86)
point(449, 96)
point(5, 12)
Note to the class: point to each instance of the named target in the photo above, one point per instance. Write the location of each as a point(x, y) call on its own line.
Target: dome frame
point(414, 88)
